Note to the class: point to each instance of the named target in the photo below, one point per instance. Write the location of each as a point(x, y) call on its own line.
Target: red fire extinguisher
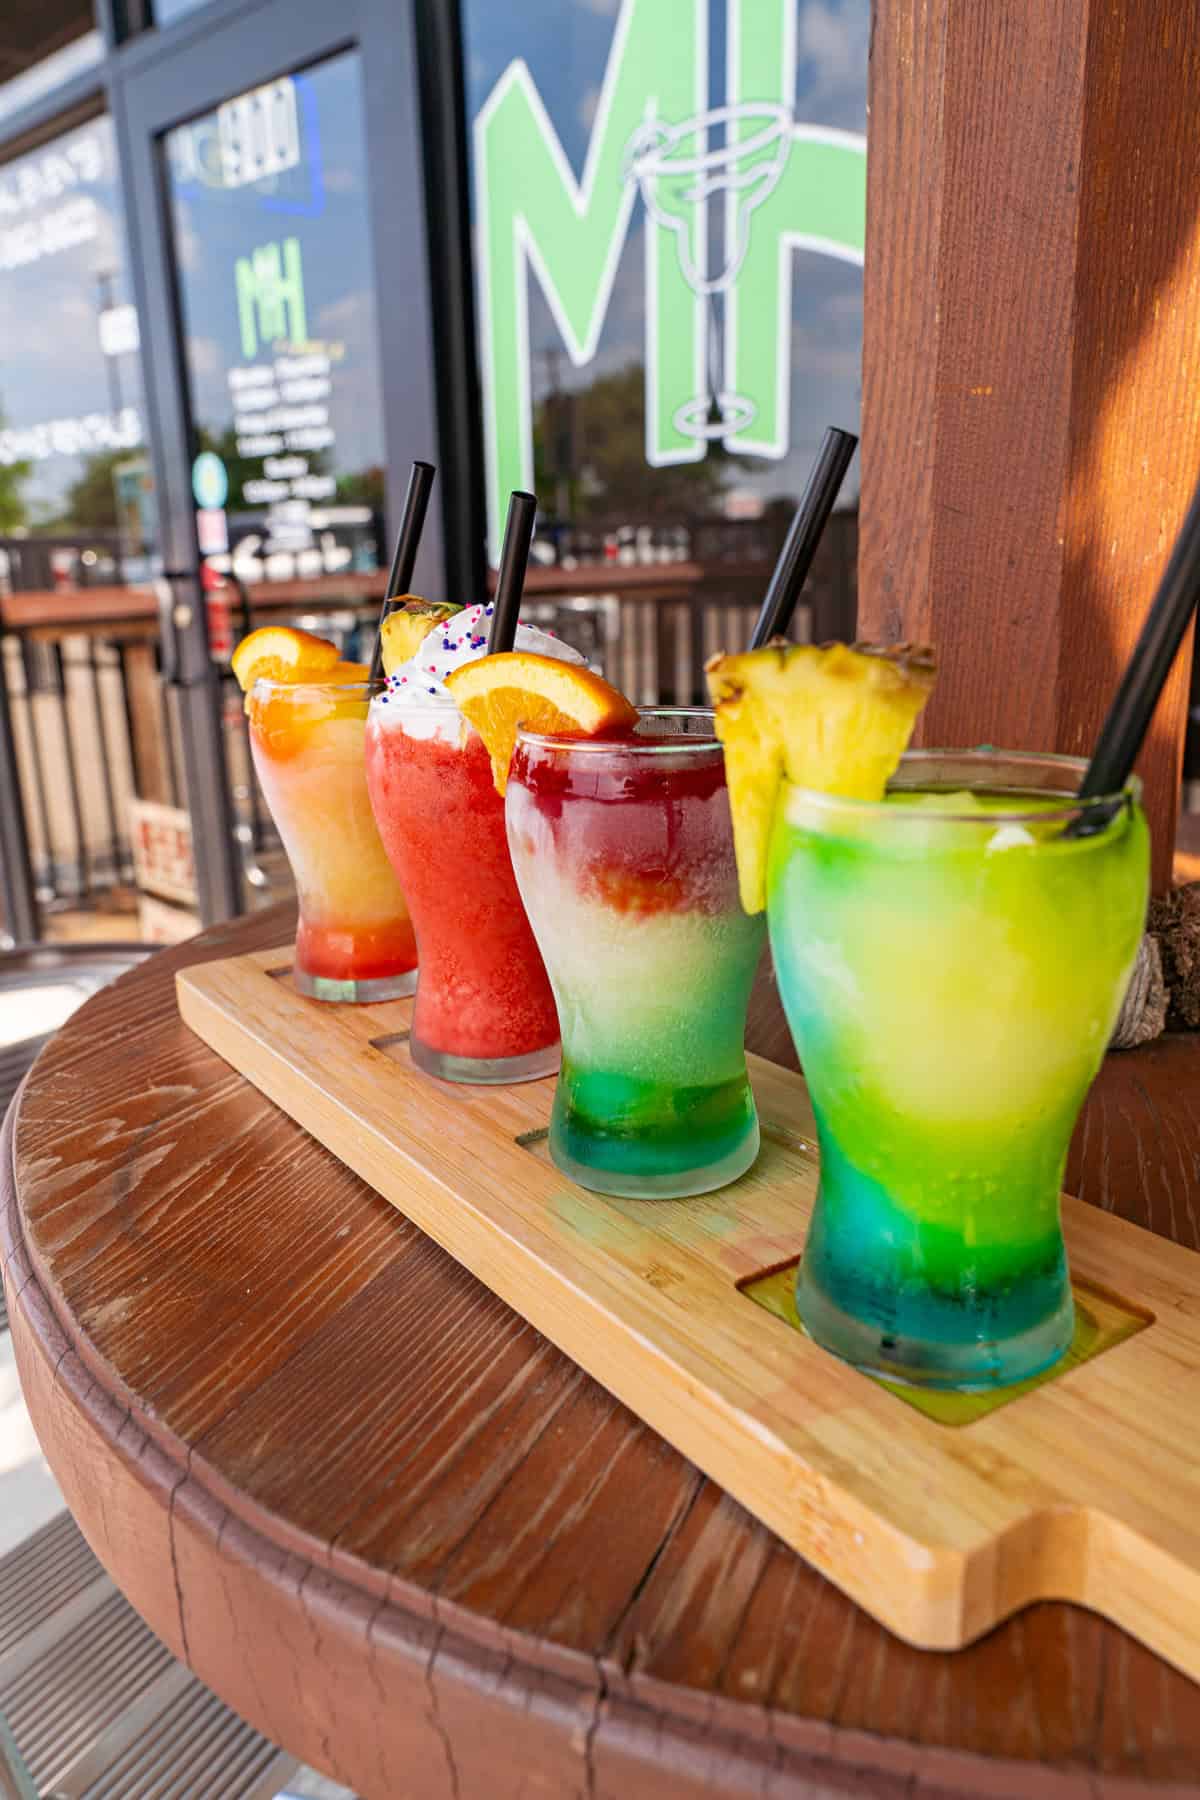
point(220, 620)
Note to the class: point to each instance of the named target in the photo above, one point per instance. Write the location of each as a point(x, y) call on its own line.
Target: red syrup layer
point(642, 834)
point(482, 989)
point(356, 952)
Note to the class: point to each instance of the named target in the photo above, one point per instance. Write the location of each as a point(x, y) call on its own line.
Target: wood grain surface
point(412, 1542)
point(1087, 1490)
point(1031, 431)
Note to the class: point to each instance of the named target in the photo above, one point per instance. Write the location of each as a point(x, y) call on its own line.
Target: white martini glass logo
point(678, 174)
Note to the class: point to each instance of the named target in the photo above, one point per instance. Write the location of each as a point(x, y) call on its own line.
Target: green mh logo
point(655, 141)
point(270, 296)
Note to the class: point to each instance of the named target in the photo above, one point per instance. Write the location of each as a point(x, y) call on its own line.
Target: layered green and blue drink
point(952, 955)
point(623, 852)
point(951, 962)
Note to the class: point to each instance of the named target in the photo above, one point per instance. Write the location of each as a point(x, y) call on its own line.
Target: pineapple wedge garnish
point(408, 625)
point(835, 718)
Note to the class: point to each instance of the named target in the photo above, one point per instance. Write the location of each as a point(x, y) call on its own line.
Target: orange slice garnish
point(517, 687)
point(280, 653)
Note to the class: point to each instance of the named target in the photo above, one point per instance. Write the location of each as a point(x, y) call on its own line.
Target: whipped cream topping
point(420, 683)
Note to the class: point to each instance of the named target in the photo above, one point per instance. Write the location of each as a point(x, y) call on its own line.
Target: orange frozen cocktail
point(308, 718)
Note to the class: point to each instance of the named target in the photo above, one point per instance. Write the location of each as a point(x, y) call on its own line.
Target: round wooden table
point(415, 1545)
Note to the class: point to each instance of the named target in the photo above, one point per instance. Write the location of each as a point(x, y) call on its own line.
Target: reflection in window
point(273, 251)
point(76, 503)
point(669, 201)
point(167, 11)
point(18, 89)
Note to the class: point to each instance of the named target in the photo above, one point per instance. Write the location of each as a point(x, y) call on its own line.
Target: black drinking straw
point(812, 515)
point(510, 580)
point(408, 542)
point(1133, 705)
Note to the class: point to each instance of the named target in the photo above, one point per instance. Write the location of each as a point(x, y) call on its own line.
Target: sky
point(51, 365)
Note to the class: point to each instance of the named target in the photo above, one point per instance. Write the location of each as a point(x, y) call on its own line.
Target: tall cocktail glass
point(484, 1011)
point(952, 962)
point(624, 856)
point(354, 940)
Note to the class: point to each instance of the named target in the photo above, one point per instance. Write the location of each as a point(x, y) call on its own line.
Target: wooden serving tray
point(939, 1516)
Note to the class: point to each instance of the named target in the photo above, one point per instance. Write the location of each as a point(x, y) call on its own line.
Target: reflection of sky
point(566, 58)
point(214, 226)
point(167, 11)
point(51, 364)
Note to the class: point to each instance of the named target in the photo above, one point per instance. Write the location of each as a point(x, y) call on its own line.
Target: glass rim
point(683, 745)
point(1061, 805)
point(353, 690)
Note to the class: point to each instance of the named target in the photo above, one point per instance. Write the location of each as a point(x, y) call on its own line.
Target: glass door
point(271, 240)
point(274, 164)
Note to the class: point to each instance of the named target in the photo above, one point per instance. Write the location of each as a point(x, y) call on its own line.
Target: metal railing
point(90, 726)
point(92, 730)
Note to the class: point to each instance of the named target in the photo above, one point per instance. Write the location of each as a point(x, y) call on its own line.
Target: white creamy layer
point(648, 993)
point(417, 696)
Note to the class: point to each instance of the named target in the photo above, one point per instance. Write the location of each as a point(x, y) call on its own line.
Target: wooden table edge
point(75, 1401)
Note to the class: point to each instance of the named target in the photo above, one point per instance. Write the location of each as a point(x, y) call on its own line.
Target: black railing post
point(83, 860)
point(22, 920)
point(31, 655)
point(191, 679)
point(245, 615)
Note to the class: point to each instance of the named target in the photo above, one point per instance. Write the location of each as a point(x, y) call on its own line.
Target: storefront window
point(76, 500)
point(273, 250)
point(669, 201)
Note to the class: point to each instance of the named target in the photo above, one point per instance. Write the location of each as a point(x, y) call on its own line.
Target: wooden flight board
point(939, 1518)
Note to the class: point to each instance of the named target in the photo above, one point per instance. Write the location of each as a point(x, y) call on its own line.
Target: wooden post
point(1031, 408)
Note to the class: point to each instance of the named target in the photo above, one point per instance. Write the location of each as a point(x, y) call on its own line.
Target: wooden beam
point(1031, 414)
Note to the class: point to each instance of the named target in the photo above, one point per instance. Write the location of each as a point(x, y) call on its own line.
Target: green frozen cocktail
point(951, 957)
point(952, 966)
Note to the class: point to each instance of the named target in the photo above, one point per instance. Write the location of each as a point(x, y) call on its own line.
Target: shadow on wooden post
point(1031, 432)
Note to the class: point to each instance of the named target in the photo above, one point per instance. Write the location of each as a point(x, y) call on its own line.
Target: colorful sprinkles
point(463, 638)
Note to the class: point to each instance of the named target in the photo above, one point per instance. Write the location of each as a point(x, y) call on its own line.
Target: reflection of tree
point(13, 476)
point(90, 503)
point(238, 468)
point(365, 487)
point(590, 456)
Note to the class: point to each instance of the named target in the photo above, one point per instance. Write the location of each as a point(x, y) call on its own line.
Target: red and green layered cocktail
point(624, 853)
